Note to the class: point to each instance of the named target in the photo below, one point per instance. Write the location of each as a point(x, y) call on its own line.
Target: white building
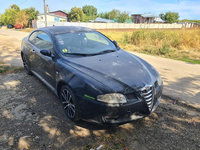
point(55, 16)
point(52, 18)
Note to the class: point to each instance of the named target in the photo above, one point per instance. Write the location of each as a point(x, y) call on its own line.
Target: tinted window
point(41, 40)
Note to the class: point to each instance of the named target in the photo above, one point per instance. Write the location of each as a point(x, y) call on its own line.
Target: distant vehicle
point(93, 77)
point(18, 26)
point(10, 26)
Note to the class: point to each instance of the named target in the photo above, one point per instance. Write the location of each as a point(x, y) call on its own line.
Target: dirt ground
point(31, 117)
point(10, 50)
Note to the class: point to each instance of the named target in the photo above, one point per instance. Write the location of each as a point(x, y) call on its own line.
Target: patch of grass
point(9, 69)
point(180, 44)
point(190, 60)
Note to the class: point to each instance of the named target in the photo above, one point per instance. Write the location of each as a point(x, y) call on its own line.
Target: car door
point(45, 64)
point(32, 51)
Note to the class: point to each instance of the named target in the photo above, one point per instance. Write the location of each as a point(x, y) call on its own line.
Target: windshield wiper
point(79, 54)
point(91, 54)
point(103, 52)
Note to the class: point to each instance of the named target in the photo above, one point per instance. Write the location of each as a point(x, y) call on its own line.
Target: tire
point(69, 103)
point(26, 66)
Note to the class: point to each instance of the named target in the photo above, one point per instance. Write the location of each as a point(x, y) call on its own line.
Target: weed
point(9, 69)
point(167, 43)
point(165, 49)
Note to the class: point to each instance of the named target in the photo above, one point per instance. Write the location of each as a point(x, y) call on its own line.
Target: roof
point(51, 14)
point(58, 11)
point(103, 20)
point(158, 19)
point(148, 16)
point(145, 15)
point(65, 29)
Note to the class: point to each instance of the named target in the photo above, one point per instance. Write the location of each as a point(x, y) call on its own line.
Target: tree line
point(89, 12)
point(15, 15)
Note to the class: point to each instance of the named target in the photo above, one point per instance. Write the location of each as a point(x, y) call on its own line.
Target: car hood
point(120, 71)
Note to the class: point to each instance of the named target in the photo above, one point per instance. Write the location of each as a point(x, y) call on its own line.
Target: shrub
point(165, 49)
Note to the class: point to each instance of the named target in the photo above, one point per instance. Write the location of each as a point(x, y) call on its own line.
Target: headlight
point(159, 81)
point(114, 98)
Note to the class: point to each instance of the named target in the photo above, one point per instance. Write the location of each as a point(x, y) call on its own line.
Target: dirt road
point(181, 79)
point(10, 44)
point(31, 117)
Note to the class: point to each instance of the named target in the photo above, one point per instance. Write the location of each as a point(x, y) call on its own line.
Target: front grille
point(147, 93)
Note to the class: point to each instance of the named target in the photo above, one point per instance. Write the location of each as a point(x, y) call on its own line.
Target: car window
point(33, 37)
point(83, 43)
point(96, 37)
point(41, 40)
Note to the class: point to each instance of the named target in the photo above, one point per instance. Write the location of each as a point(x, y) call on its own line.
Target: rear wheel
point(26, 67)
point(69, 103)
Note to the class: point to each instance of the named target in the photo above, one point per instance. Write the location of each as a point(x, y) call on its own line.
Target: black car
point(10, 26)
point(94, 79)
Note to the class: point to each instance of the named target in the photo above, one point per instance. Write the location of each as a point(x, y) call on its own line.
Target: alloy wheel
point(68, 103)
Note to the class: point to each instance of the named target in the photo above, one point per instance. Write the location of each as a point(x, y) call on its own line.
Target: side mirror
point(45, 52)
point(115, 42)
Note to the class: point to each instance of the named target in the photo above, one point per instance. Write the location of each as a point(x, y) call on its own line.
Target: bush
point(164, 50)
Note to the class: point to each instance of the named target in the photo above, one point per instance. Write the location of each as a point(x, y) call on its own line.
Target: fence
point(117, 25)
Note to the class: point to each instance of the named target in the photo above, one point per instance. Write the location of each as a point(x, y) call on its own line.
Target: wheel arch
point(59, 86)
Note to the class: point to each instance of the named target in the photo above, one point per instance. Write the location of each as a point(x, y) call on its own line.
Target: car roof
point(65, 29)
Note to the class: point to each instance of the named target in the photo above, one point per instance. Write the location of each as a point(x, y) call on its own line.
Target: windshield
point(84, 43)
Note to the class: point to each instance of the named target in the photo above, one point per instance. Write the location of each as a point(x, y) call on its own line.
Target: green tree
point(10, 15)
point(1, 23)
point(122, 17)
point(15, 7)
point(90, 11)
point(114, 14)
point(76, 14)
point(162, 16)
point(104, 15)
point(32, 15)
point(170, 17)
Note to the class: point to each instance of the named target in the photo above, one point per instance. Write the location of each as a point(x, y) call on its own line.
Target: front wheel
point(69, 103)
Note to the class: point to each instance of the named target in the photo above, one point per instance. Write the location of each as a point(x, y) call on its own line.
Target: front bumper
point(98, 112)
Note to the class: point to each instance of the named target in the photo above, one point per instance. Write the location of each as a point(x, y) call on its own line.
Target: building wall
point(116, 25)
point(140, 19)
point(51, 18)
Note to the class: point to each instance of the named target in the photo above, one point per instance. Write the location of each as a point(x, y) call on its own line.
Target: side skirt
point(45, 82)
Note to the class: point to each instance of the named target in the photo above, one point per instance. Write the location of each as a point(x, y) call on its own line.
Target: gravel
point(31, 117)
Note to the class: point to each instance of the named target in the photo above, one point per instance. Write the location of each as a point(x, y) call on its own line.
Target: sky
point(187, 9)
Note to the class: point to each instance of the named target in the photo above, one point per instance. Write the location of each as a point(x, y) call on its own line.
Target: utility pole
point(45, 13)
